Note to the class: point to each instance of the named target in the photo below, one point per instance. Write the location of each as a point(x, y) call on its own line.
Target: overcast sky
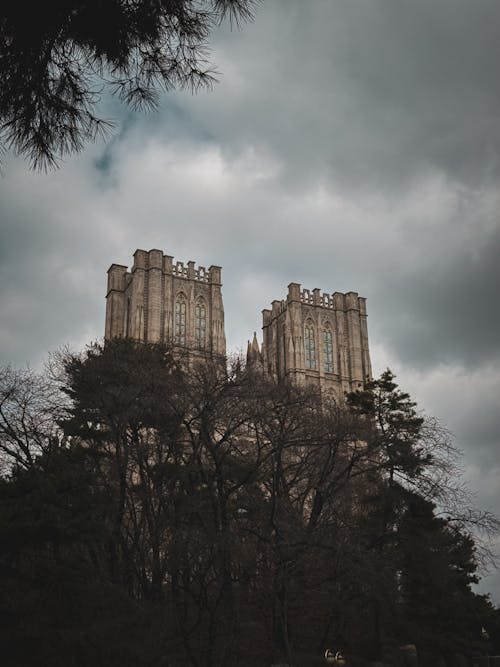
point(349, 145)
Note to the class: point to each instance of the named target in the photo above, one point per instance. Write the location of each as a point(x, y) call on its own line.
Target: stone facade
point(162, 301)
point(309, 338)
point(315, 339)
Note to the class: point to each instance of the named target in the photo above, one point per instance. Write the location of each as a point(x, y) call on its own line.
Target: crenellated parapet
point(310, 337)
point(162, 300)
point(317, 338)
point(189, 271)
point(155, 259)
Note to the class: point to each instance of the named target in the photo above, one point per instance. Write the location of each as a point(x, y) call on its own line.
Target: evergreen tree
point(195, 515)
point(56, 57)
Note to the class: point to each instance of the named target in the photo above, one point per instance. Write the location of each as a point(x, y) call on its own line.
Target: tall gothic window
point(200, 324)
point(310, 345)
point(180, 320)
point(327, 351)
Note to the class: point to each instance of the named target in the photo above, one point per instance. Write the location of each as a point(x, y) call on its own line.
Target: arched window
point(327, 350)
point(200, 324)
point(180, 320)
point(310, 345)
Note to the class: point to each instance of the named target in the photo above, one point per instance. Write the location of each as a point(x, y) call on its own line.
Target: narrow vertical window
point(180, 321)
point(200, 325)
point(327, 351)
point(310, 346)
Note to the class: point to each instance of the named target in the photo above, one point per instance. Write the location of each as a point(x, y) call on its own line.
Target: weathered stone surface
point(316, 339)
point(163, 301)
point(309, 338)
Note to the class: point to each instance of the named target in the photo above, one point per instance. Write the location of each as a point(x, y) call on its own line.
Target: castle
point(309, 338)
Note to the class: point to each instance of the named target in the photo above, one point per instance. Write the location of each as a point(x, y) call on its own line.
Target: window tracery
point(180, 320)
point(310, 345)
point(200, 324)
point(327, 350)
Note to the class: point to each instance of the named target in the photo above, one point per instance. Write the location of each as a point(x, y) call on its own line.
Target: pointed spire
point(254, 356)
point(255, 345)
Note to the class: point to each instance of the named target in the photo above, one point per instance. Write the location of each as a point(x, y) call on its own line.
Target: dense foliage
point(206, 517)
point(58, 56)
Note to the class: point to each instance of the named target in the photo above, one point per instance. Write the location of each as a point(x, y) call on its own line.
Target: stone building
point(315, 339)
point(160, 300)
point(309, 338)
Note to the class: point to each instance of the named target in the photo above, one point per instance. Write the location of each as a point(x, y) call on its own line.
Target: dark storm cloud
point(443, 311)
point(48, 262)
point(369, 95)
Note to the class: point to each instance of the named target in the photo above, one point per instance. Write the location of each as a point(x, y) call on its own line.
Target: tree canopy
point(58, 57)
point(202, 516)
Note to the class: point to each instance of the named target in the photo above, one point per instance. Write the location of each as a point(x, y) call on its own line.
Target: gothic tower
point(317, 339)
point(162, 301)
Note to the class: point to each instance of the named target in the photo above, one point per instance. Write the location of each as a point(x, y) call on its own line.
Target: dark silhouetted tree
point(29, 406)
point(415, 568)
point(163, 512)
point(58, 57)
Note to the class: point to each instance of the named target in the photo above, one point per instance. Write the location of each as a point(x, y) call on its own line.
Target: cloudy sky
point(349, 145)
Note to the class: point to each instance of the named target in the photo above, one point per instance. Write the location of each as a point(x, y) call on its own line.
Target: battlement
point(318, 339)
point(310, 336)
point(315, 298)
point(334, 301)
point(147, 260)
point(190, 272)
point(161, 299)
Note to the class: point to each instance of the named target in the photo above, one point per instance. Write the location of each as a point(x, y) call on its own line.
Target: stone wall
point(140, 304)
point(284, 349)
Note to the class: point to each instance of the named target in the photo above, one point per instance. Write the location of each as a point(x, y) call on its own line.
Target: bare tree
point(263, 521)
point(29, 408)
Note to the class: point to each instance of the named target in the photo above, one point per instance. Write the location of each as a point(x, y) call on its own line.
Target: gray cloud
point(443, 309)
point(368, 95)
